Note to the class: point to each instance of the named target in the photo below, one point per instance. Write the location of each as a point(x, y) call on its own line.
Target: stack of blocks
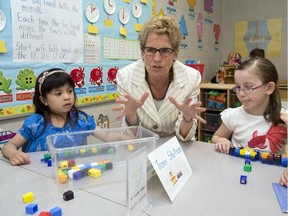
point(264, 157)
point(69, 169)
point(247, 168)
point(47, 159)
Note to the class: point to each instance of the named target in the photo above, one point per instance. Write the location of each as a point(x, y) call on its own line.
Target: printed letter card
point(171, 166)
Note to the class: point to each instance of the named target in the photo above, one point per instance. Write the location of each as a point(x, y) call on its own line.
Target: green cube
point(247, 168)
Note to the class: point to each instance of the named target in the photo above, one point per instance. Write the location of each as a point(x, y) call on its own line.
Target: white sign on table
point(171, 166)
point(137, 183)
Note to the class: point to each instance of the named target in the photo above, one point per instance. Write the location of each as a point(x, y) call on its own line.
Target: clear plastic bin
point(81, 159)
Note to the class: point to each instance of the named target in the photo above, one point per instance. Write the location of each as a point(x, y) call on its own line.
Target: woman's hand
point(129, 106)
point(190, 111)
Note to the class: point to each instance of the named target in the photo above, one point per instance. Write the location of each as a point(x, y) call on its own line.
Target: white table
point(213, 189)
point(16, 181)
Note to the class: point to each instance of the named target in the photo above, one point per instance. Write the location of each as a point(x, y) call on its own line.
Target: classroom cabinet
point(216, 98)
point(228, 73)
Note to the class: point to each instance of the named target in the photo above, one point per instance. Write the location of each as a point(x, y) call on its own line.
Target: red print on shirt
point(276, 136)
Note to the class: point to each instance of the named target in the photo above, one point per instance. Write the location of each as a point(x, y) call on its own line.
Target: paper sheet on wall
point(47, 30)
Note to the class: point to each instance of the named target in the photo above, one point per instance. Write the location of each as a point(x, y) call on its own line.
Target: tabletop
point(213, 189)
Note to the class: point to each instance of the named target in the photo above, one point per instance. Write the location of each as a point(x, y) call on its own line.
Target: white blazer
point(165, 121)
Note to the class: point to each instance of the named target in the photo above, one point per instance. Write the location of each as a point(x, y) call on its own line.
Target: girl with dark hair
point(55, 113)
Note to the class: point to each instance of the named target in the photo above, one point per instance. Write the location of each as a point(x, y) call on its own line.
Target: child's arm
point(284, 117)
point(15, 156)
point(220, 138)
point(284, 178)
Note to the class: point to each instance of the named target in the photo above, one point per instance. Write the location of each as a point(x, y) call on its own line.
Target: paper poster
point(41, 31)
point(171, 166)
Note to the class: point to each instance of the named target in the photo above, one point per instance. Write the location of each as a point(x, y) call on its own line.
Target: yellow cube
point(94, 173)
point(28, 197)
point(64, 164)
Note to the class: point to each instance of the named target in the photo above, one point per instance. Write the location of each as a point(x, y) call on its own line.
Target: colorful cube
point(247, 168)
point(243, 179)
point(94, 173)
point(49, 163)
point(68, 195)
point(56, 211)
point(28, 197)
point(45, 214)
point(31, 208)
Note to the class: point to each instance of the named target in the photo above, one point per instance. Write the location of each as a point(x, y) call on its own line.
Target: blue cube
point(243, 179)
point(56, 211)
point(31, 208)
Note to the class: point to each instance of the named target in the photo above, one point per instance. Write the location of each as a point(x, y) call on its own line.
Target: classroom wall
point(208, 56)
point(252, 10)
point(226, 13)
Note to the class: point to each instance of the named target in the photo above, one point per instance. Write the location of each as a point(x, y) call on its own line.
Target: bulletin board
point(90, 39)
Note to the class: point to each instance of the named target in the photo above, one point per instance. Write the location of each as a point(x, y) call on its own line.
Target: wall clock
point(124, 15)
point(2, 20)
point(137, 10)
point(110, 6)
point(92, 12)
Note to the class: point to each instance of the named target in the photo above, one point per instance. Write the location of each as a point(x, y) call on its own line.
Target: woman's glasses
point(246, 89)
point(151, 51)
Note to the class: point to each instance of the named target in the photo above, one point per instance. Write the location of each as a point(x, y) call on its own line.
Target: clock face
point(110, 6)
point(124, 15)
point(137, 10)
point(2, 20)
point(92, 12)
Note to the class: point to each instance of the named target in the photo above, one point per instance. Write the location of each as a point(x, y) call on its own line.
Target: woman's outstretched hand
point(190, 111)
point(129, 105)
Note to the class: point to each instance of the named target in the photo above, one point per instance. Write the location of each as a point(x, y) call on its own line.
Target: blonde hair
point(161, 25)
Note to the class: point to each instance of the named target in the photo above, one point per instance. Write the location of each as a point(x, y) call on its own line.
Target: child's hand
point(284, 178)
point(20, 158)
point(284, 117)
point(223, 145)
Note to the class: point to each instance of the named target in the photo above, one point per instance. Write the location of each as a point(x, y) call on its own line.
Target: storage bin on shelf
point(81, 159)
point(199, 67)
point(213, 121)
point(235, 101)
point(215, 100)
point(208, 137)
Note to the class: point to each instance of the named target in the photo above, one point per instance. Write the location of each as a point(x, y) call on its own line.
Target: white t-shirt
point(253, 131)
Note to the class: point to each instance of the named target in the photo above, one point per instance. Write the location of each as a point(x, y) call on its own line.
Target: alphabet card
point(171, 166)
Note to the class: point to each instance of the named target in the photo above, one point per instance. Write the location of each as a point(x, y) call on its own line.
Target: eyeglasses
point(246, 89)
point(151, 51)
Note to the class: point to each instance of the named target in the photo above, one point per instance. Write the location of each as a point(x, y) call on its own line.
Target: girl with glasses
point(257, 123)
point(159, 92)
